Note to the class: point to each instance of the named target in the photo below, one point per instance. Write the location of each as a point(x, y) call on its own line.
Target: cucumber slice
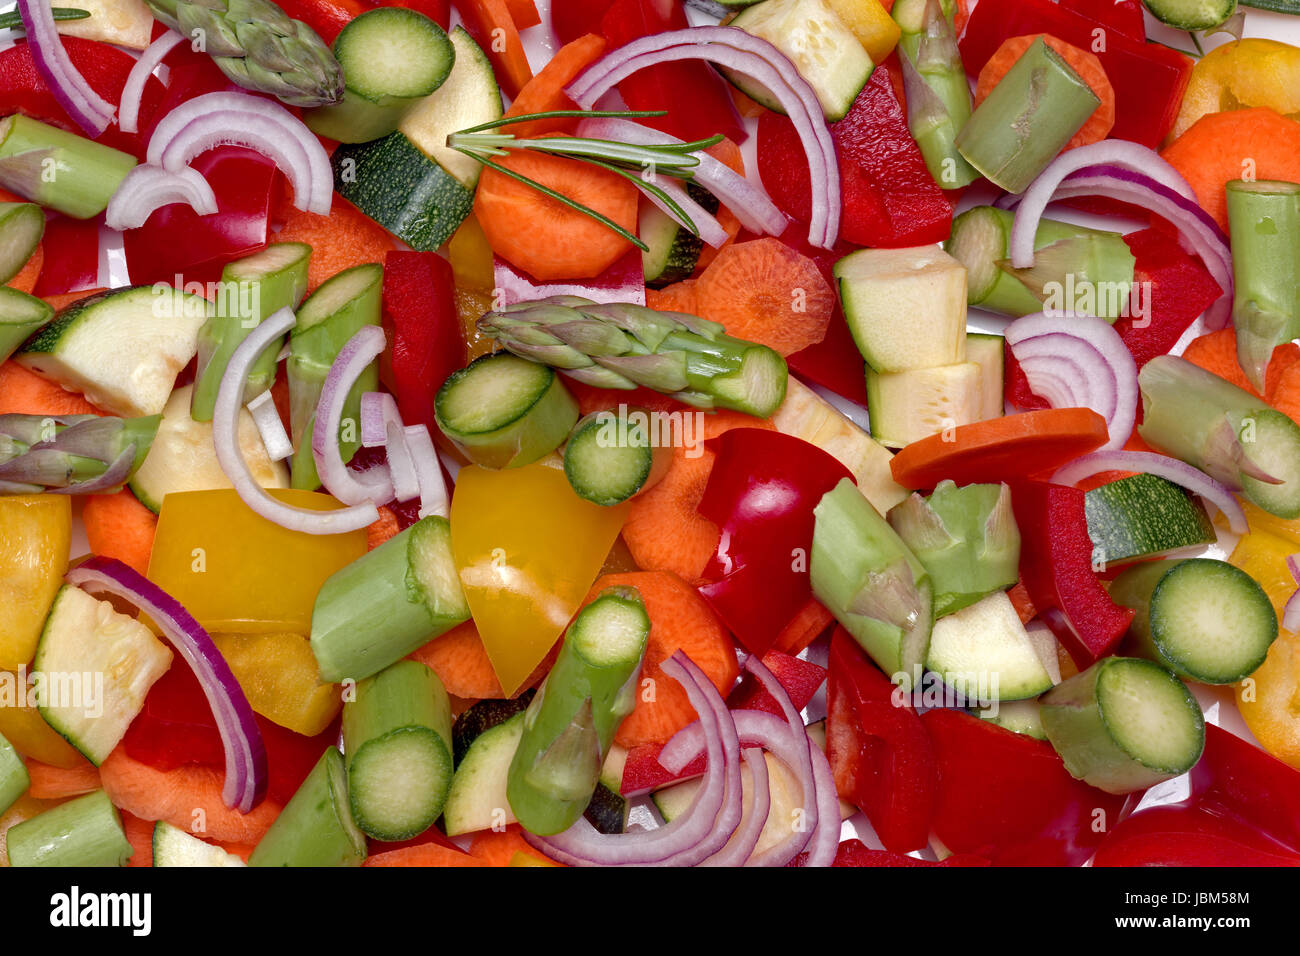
point(1191, 14)
point(1124, 724)
point(477, 798)
point(908, 406)
point(1203, 619)
point(184, 458)
point(1144, 516)
point(822, 48)
point(122, 349)
point(984, 652)
point(503, 411)
point(989, 353)
point(172, 846)
point(99, 665)
point(906, 308)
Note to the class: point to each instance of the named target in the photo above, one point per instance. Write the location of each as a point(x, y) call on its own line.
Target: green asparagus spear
point(1027, 119)
point(57, 453)
point(14, 780)
point(21, 227)
point(570, 724)
point(327, 319)
point(622, 346)
point(1264, 220)
point(20, 315)
point(86, 831)
point(251, 289)
point(60, 170)
point(315, 828)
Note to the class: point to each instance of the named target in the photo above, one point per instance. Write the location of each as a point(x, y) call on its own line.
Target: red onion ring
point(1291, 612)
point(741, 845)
point(702, 222)
point(146, 188)
point(434, 497)
point(78, 98)
point(349, 487)
point(267, 419)
point(241, 739)
point(378, 410)
point(128, 114)
point(1162, 466)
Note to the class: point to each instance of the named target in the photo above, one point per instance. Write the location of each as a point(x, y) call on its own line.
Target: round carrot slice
point(1014, 446)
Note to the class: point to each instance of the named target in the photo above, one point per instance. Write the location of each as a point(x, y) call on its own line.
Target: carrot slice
point(499, 847)
point(1284, 392)
point(25, 280)
point(524, 13)
point(542, 235)
point(545, 91)
point(461, 663)
point(804, 628)
point(27, 393)
point(766, 292)
point(182, 797)
point(139, 833)
point(345, 238)
point(1220, 147)
point(664, 531)
point(380, 531)
point(678, 297)
point(425, 854)
point(493, 28)
point(1018, 445)
point(1217, 352)
point(679, 620)
point(1020, 600)
point(61, 300)
point(1086, 64)
point(55, 783)
point(118, 526)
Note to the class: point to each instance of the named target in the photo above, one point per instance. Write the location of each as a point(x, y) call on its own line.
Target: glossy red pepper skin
point(176, 729)
point(105, 68)
point(761, 494)
point(882, 759)
point(326, 17)
point(571, 19)
point(1009, 798)
point(176, 241)
point(1123, 16)
point(1056, 568)
point(857, 853)
point(423, 327)
point(801, 680)
point(1149, 80)
point(888, 197)
point(76, 265)
point(697, 99)
point(1234, 777)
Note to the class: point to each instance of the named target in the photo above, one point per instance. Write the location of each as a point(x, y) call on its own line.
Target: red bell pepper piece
point(439, 11)
point(800, 679)
point(326, 17)
point(643, 772)
point(176, 728)
point(424, 334)
point(1008, 797)
point(697, 99)
point(761, 494)
point(571, 19)
point(883, 762)
point(176, 241)
point(1149, 79)
point(857, 853)
point(75, 264)
point(888, 198)
point(105, 68)
point(1056, 568)
point(1235, 778)
point(1122, 16)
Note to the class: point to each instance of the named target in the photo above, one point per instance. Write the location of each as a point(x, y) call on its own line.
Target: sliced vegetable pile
point(615, 464)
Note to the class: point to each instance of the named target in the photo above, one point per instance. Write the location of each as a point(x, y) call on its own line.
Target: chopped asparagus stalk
point(397, 735)
point(1027, 118)
point(871, 581)
point(20, 315)
point(1264, 219)
point(612, 456)
point(251, 289)
point(14, 780)
point(570, 724)
point(328, 318)
point(57, 169)
point(965, 537)
point(21, 226)
point(938, 93)
point(39, 452)
point(86, 831)
point(315, 828)
point(387, 603)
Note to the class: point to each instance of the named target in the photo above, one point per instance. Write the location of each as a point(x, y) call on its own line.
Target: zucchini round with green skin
point(674, 251)
point(392, 57)
point(1203, 619)
point(482, 717)
point(21, 315)
point(86, 831)
point(477, 799)
point(984, 652)
point(1191, 14)
point(503, 411)
point(21, 226)
point(1124, 724)
point(611, 457)
point(1144, 516)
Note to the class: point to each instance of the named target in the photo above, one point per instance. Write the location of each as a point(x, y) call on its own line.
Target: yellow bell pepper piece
point(24, 727)
point(471, 266)
point(280, 678)
point(1263, 556)
point(1240, 75)
point(871, 23)
point(35, 531)
point(238, 573)
point(527, 549)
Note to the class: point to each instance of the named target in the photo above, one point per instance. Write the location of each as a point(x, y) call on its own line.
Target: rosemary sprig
point(674, 160)
point(13, 19)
